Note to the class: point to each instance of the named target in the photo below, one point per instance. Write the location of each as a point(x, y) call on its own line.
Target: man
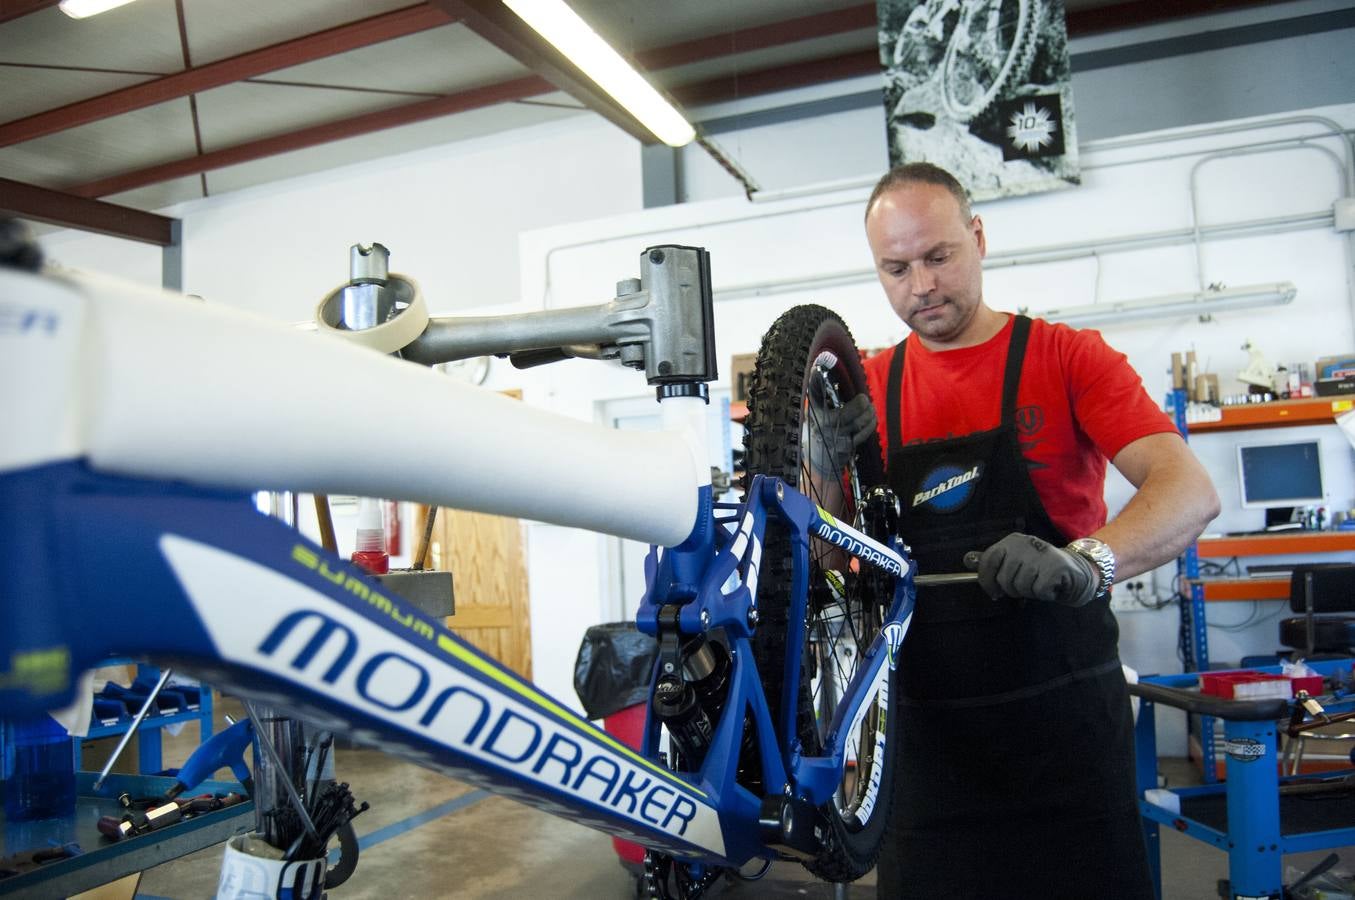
point(1016, 761)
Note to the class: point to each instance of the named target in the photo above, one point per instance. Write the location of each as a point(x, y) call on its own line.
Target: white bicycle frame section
point(144, 384)
point(150, 384)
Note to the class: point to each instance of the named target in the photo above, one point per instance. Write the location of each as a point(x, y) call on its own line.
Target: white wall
point(767, 257)
point(1267, 64)
point(449, 215)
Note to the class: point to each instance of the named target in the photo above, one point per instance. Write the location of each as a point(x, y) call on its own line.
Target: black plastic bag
point(614, 668)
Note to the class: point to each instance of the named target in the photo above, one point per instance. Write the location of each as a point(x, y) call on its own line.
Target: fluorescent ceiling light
point(572, 36)
point(83, 9)
point(1201, 303)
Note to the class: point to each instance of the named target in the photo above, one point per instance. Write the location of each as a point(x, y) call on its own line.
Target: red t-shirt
point(1079, 403)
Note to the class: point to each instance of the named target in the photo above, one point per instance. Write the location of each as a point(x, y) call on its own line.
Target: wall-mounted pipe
point(856, 191)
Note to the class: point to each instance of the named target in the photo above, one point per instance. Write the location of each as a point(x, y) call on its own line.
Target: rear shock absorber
point(688, 700)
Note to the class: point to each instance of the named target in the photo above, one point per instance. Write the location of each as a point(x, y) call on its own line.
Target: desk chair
point(1321, 592)
point(1316, 591)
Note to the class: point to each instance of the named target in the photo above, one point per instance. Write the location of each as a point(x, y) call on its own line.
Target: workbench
point(101, 859)
point(1246, 816)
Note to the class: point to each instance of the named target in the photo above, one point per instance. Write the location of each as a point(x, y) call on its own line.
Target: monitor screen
point(1280, 474)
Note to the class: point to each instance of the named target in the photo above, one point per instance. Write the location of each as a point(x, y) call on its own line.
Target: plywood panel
point(485, 555)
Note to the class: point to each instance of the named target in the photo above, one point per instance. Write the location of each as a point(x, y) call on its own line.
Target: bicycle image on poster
point(983, 89)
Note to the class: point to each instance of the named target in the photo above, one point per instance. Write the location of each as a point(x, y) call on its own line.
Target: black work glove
point(1020, 565)
point(836, 432)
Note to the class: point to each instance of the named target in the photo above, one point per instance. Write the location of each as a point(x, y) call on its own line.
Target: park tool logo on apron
point(947, 487)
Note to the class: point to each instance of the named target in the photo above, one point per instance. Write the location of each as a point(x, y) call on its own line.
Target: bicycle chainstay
point(658, 866)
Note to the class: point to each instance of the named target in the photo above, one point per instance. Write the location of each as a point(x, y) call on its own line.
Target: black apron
point(1016, 770)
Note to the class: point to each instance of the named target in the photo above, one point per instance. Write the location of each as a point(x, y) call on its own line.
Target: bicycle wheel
point(807, 364)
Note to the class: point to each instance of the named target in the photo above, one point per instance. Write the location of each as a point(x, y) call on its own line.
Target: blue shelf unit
point(150, 756)
point(1195, 649)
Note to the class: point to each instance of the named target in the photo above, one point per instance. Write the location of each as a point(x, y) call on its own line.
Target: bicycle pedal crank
point(666, 878)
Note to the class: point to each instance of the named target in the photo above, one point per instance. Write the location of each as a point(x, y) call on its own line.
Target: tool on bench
point(132, 729)
point(20, 863)
point(221, 750)
point(158, 813)
point(134, 823)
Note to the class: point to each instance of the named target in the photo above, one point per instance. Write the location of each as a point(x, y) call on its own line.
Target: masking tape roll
point(388, 337)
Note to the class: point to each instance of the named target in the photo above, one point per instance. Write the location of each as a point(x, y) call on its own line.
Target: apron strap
point(1011, 380)
point(893, 400)
point(1016, 355)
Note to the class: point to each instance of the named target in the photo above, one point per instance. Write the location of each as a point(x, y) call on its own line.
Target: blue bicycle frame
point(199, 579)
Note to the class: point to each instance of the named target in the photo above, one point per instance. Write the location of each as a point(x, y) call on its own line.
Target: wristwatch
point(1099, 554)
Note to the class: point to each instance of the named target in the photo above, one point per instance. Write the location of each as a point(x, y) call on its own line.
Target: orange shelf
point(1279, 414)
point(1227, 589)
point(1278, 543)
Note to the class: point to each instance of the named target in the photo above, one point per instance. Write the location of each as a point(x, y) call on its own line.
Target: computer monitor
point(1280, 475)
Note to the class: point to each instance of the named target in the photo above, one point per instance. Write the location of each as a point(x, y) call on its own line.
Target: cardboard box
point(741, 376)
point(1335, 367)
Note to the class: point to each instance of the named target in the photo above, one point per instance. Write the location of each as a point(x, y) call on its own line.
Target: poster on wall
point(982, 89)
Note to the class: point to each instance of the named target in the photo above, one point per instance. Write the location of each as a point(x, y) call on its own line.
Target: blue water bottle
point(39, 770)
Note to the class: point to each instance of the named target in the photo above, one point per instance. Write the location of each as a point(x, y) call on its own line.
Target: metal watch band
point(1099, 554)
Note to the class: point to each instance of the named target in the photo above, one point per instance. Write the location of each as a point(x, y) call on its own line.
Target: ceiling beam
point(13, 9)
point(780, 78)
point(745, 84)
point(363, 33)
point(503, 92)
point(1137, 13)
point(40, 204)
point(759, 37)
point(499, 25)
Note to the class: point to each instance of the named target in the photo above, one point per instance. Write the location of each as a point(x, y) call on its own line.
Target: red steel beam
point(745, 84)
point(57, 208)
point(475, 98)
point(759, 37)
point(1135, 13)
point(340, 39)
point(779, 78)
point(13, 9)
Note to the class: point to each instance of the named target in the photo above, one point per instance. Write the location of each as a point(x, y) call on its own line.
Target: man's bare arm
point(1174, 503)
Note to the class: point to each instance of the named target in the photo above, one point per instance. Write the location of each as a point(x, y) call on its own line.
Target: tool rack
point(1246, 816)
point(150, 759)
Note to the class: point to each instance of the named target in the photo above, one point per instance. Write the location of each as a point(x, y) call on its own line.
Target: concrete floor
point(429, 836)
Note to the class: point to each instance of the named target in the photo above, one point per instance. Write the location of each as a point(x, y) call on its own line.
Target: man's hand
point(1020, 565)
point(834, 434)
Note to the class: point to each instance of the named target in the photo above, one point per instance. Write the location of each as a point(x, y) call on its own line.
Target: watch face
point(1100, 556)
